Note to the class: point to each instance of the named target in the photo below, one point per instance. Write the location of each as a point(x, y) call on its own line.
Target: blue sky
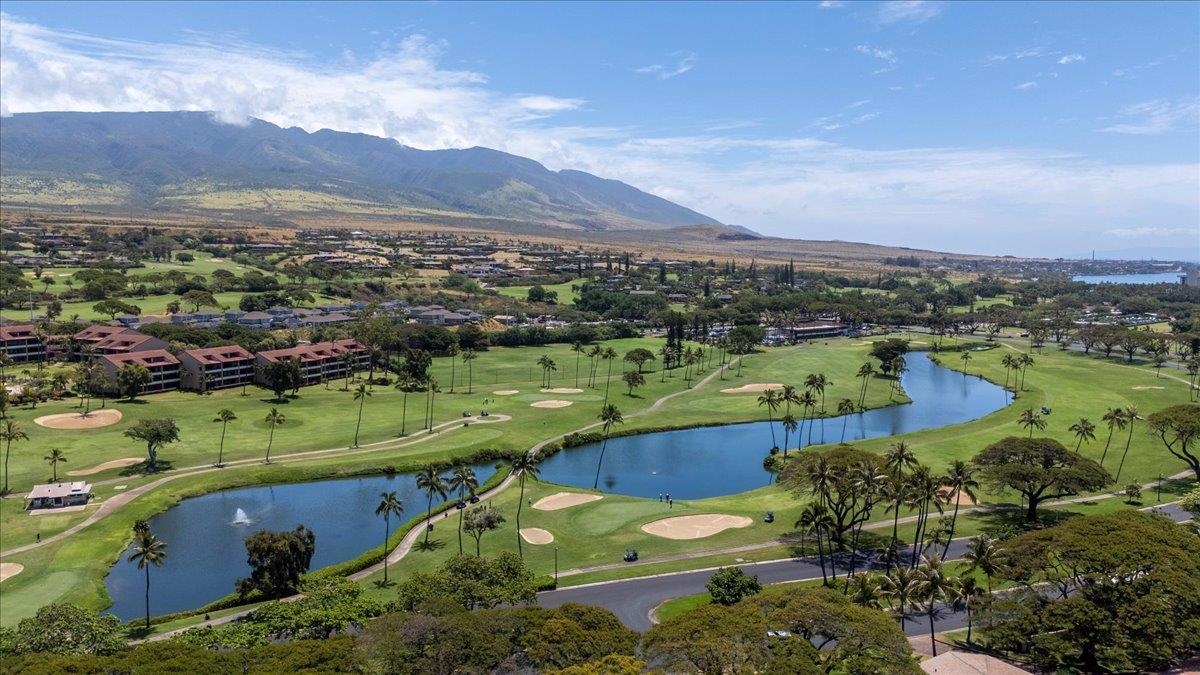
point(1024, 128)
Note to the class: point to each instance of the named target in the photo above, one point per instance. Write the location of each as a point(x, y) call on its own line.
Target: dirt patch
point(506, 392)
point(562, 390)
point(756, 388)
point(694, 527)
point(112, 464)
point(550, 404)
point(536, 536)
point(962, 498)
point(93, 420)
point(564, 500)
point(10, 570)
point(1144, 388)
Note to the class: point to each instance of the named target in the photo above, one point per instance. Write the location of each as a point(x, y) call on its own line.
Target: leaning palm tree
point(547, 365)
point(610, 416)
point(1084, 430)
point(524, 465)
point(361, 394)
point(273, 419)
point(809, 404)
point(593, 354)
point(429, 480)
point(1031, 420)
point(818, 383)
point(1115, 419)
point(815, 520)
point(770, 398)
point(389, 505)
point(609, 354)
point(865, 371)
point(984, 555)
point(960, 480)
point(463, 480)
point(55, 458)
point(934, 585)
point(11, 431)
point(924, 494)
point(148, 550)
point(845, 409)
point(224, 416)
point(1131, 416)
point(790, 425)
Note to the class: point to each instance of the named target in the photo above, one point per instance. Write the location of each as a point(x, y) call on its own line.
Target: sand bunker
point(1144, 388)
point(563, 500)
point(113, 464)
point(562, 390)
point(694, 527)
point(757, 388)
point(550, 404)
point(962, 498)
point(536, 535)
point(506, 392)
point(917, 342)
point(10, 570)
point(94, 420)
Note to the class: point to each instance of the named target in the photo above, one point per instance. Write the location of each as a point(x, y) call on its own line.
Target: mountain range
point(172, 161)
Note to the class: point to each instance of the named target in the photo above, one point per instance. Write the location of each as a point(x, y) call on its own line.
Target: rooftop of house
point(219, 355)
point(313, 352)
point(150, 358)
point(58, 490)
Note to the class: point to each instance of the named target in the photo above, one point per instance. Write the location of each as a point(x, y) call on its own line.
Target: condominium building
point(319, 361)
point(21, 343)
point(216, 367)
point(101, 339)
point(164, 368)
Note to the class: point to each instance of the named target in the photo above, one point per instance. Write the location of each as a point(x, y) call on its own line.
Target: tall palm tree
point(818, 383)
point(361, 394)
point(431, 390)
point(1084, 430)
point(609, 354)
point(148, 550)
point(1031, 420)
point(593, 354)
point(273, 419)
point(1131, 416)
point(224, 416)
point(845, 409)
point(610, 416)
point(55, 457)
point(405, 384)
point(452, 351)
point(900, 589)
point(984, 555)
point(865, 372)
point(965, 594)
point(865, 589)
point(524, 465)
point(815, 520)
point(389, 505)
point(790, 426)
point(1024, 361)
point(896, 459)
point(429, 480)
point(577, 347)
point(468, 356)
point(924, 494)
point(1115, 419)
point(547, 364)
point(966, 359)
point(809, 404)
point(463, 480)
point(787, 396)
point(960, 479)
point(934, 585)
point(770, 398)
point(1009, 362)
point(11, 431)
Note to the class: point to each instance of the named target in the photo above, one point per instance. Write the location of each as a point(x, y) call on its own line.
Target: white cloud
point(877, 52)
point(859, 104)
point(831, 4)
point(1026, 85)
point(1028, 53)
point(687, 61)
point(1157, 117)
point(1152, 232)
point(911, 11)
point(1070, 58)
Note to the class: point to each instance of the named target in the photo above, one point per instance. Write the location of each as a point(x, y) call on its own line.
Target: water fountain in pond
point(240, 518)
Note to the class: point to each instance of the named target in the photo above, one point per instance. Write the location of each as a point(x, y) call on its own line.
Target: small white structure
point(58, 495)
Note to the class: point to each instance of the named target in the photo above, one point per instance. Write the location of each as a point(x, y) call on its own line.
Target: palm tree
point(896, 459)
point(224, 416)
point(609, 354)
point(966, 593)
point(966, 359)
point(467, 357)
point(790, 426)
point(273, 419)
point(524, 465)
point(960, 479)
point(389, 505)
point(11, 431)
point(55, 457)
point(845, 409)
point(593, 354)
point(361, 394)
point(452, 351)
point(1031, 420)
point(405, 384)
point(547, 365)
point(148, 550)
point(770, 399)
point(577, 347)
point(983, 555)
point(1009, 362)
point(1023, 362)
point(809, 404)
point(1084, 430)
point(788, 396)
point(924, 491)
point(933, 586)
point(865, 371)
point(431, 390)
point(1115, 419)
point(610, 416)
point(865, 589)
point(1131, 416)
point(429, 480)
point(818, 383)
point(900, 589)
point(463, 480)
point(814, 519)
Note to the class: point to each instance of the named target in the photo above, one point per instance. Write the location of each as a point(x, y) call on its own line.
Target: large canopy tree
point(1039, 469)
point(1179, 428)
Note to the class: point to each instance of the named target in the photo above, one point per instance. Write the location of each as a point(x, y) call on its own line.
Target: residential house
point(216, 367)
point(58, 495)
point(163, 367)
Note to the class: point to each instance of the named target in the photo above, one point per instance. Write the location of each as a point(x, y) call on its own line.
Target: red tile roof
point(218, 355)
point(313, 352)
point(150, 358)
point(19, 332)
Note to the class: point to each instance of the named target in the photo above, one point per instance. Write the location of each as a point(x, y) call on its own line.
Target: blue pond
point(722, 460)
point(205, 553)
point(1140, 279)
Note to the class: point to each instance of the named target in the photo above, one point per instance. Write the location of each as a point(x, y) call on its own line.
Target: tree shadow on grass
point(138, 632)
point(1010, 522)
point(143, 468)
point(431, 545)
point(380, 583)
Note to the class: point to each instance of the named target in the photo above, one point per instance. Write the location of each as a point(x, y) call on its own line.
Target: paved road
point(632, 600)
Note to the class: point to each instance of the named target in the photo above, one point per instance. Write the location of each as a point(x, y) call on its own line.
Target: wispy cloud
point(1151, 232)
point(1070, 58)
point(1027, 53)
point(1157, 117)
point(877, 52)
point(687, 61)
point(910, 11)
point(1026, 86)
point(831, 4)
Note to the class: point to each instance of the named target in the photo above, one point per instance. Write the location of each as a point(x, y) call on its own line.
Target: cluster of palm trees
point(812, 403)
point(1015, 366)
point(1084, 430)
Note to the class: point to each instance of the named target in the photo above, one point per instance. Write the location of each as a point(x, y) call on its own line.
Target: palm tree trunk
point(953, 522)
point(771, 423)
point(821, 554)
point(607, 381)
point(358, 424)
point(932, 641)
point(595, 483)
point(576, 370)
point(147, 568)
point(451, 373)
point(428, 516)
point(221, 450)
point(845, 420)
point(270, 441)
point(520, 503)
point(460, 519)
point(385, 543)
point(1106, 444)
point(1128, 440)
point(403, 412)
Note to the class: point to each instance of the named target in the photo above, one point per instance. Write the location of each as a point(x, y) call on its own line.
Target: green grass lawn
point(565, 294)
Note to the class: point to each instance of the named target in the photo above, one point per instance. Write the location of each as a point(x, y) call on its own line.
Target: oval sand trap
point(506, 392)
point(550, 404)
point(756, 388)
point(694, 527)
point(563, 500)
point(9, 570)
point(113, 464)
point(537, 536)
point(93, 420)
point(562, 390)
